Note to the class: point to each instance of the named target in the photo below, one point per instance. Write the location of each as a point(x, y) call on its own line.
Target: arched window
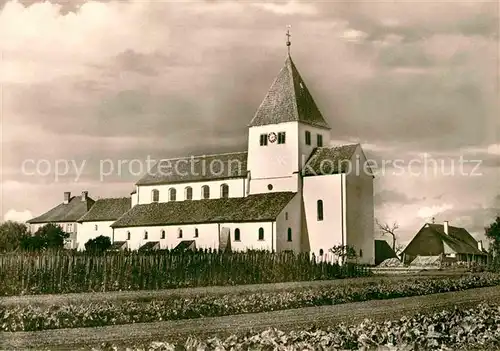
point(237, 234)
point(179, 233)
point(224, 191)
point(289, 234)
point(261, 233)
point(205, 192)
point(320, 210)
point(172, 194)
point(146, 235)
point(360, 252)
point(195, 232)
point(188, 193)
point(155, 195)
point(128, 235)
point(163, 234)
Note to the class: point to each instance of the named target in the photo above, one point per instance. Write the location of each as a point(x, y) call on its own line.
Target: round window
point(270, 186)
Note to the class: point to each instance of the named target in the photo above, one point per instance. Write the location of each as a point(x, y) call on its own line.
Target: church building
point(290, 190)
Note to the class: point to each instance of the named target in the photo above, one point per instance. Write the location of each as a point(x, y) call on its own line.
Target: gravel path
point(174, 331)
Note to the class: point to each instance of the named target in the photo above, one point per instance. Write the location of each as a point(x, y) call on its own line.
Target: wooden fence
point(64, 272)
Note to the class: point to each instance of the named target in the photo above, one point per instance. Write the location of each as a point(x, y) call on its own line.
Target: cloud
point(17, 216)
point(387, 196)
point(288, 8)
point(353, 35)
point(429, 211)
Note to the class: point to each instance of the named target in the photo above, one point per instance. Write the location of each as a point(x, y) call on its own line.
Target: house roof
point(109, 209)
point(185, 244)
point(329, 160)
point(457, 240)
point(288, 100)
point(253, 208)
point(150, 245)
point(197, 168)
point(70, 212)
point(383, 251)
point(118, 245)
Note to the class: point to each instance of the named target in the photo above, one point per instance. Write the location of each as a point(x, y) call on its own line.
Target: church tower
point(285, 129)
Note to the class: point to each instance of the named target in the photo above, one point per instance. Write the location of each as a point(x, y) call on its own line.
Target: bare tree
point(399, 249)
point(387, 229)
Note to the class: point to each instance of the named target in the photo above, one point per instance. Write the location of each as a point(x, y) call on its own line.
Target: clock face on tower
point(272, 137)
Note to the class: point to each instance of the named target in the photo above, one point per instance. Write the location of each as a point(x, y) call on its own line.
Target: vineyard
point(73, 272)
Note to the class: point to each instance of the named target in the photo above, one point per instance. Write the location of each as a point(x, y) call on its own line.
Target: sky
point(87, 81)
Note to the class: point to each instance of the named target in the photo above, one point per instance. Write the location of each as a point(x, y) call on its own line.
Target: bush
point(98, 245)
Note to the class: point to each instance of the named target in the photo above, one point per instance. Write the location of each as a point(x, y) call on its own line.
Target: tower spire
point(288, 35)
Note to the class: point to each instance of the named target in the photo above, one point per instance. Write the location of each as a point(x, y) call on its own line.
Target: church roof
point(329, 160)
point(70, 212)
point(197, 168)
point(253, 208)
point(107, 210)
point(288, 100)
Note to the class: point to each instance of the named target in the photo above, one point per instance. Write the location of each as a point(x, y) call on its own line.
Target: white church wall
point(249, 236)
point(91, 230)
point(326, 233)
point(208, 235)
point(270, 185)
point(290, 217)
point(273, 160)
point(236, 189)
point(306, 150)
point(134, 198)
point(359, 209)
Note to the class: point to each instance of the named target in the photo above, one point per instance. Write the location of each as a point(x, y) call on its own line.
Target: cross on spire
point(288, 35)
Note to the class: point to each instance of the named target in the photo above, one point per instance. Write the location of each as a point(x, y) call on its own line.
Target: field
point(247, 324)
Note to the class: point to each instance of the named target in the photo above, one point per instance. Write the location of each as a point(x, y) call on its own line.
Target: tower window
point(205, 192)
point(321, 252)
point(286, 216)
point(188, 193)
point(195, 232)
point(172, 194)
point(237, 234)
point(289, 234)
point(308, 137)
point(320, 140)
point(163, 234)
point(155, 195)
point(281, 137)
point(269, 187)
point(179, 233)
point(261, 233)
point(145, 235)
point(263, 139)
point(320, 210)
point(128, 235)
point(360, 253)
point(224, 191)
point(96, 227)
